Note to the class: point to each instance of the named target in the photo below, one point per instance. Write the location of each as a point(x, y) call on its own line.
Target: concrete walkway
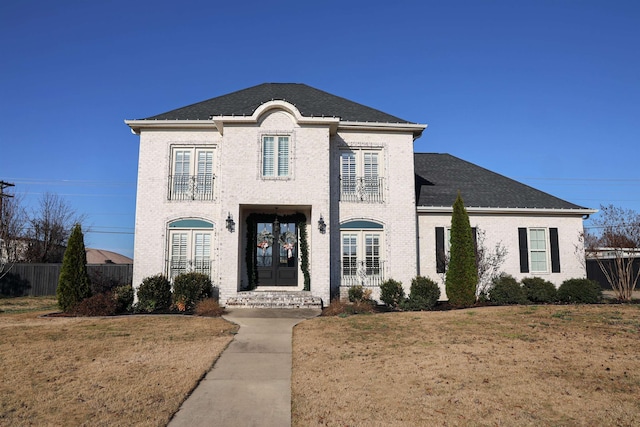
point(250, 384)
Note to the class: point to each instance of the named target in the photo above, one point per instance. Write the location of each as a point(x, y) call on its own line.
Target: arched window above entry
point(190, 223)
point(360, 224)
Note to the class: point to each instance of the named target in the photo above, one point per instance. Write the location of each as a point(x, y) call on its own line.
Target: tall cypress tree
point(462, 275)
point(74, 284)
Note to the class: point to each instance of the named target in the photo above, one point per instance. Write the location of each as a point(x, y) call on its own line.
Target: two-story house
point(287, 187)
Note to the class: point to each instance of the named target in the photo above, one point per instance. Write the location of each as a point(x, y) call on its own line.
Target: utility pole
point(3, 227)
point(3, 185)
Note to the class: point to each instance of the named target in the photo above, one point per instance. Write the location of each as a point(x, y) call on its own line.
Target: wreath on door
point(288, 241)
point(251, 257)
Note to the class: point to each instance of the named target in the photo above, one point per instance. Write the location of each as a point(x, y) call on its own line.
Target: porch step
point(275, 299)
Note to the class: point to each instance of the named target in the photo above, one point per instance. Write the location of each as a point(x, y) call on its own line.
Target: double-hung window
point(192, 174)
point(539, 250)
point(361, 176)
point(275, 156)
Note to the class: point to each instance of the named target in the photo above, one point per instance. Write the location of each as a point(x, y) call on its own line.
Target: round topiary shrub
point(538, 290)
point(356, 293)
point(505, 290)
point(189, 288)
point(423, 295)
point(123, 296)
point(154, 294)
point(391, 293)
point(580, 291)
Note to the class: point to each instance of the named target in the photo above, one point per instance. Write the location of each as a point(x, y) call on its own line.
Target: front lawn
point(517, 365)
point(116, 371)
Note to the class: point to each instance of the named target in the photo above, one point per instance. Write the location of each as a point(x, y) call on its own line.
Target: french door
point(277, 253)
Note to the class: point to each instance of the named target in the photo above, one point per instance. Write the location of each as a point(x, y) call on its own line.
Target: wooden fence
point(42, 279)
point(595, 273)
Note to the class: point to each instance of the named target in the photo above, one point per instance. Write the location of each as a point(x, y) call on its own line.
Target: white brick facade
point(312, 188)
point(317, 152)
point(502, 228)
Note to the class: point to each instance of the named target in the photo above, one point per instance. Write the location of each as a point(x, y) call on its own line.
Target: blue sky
point(545, 92)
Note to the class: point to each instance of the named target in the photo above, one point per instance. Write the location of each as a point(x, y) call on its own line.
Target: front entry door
point(277, 257)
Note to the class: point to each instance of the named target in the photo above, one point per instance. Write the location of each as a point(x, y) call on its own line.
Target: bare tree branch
point(49, 228)
point(615, 246)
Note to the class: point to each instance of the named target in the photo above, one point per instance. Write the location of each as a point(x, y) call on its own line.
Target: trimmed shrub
point(154, 294)
point(505, 290)
point(189, 288)
point(356, 293)
point(208, 307)
point(580, 291)
point(123, 297)
point(462, 274)
point(391, 293)
point(73, 284)
point(423, 295)
point(97, 305)
point(538, 290)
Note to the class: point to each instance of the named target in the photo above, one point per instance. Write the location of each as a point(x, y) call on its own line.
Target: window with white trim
point(275, 156)
point(539, 249)
point(362, 261)
point(189, 247)
point(191, 176)
point(538, 253)
point(361, 176)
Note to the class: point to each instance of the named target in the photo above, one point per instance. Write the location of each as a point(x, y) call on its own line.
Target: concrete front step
point(275, 299)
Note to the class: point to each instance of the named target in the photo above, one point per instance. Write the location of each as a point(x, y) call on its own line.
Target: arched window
point(362, 253)
point(189, 247)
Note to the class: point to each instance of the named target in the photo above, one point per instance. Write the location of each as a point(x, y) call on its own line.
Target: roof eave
point(137, 125)
point(510, 211)
point(415, 128)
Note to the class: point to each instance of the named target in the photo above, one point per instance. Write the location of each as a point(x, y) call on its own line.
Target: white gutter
point(415, 128)
point(137, 125)
point(509, 211)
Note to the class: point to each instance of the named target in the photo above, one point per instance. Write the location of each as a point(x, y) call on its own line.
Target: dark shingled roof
point(439, 177)
point(311, 102)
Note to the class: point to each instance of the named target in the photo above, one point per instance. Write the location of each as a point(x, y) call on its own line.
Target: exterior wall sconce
point(231, 225)
point(322, 227)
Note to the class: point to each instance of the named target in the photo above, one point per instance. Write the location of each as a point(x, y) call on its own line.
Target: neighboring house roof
point(100, 256)
point(439, 177)
point(311, 102)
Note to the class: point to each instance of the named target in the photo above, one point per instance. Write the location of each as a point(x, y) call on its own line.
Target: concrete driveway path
point(250, 384)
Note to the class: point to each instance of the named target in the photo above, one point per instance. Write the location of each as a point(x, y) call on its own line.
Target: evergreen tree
point(74, 284)
point(462, 275)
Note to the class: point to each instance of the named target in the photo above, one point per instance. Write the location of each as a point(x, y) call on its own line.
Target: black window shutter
point(555, 250)
point(524, 250)
point(474, 231)
point(440, 255)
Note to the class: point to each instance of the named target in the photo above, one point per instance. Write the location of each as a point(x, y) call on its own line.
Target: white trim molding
point(510, 211)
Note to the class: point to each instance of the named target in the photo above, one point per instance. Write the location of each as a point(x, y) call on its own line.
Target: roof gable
point(311, 102)
point(439, 177)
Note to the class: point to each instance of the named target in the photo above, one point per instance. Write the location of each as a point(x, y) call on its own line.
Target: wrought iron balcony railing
point(177, 266)
point(362, 189)
point(191, 187)
point(367, 273)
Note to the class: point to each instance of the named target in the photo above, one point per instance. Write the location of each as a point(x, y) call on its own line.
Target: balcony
point(362, 189)
point(191, 187)
point(179, 266)
point(368, 273)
